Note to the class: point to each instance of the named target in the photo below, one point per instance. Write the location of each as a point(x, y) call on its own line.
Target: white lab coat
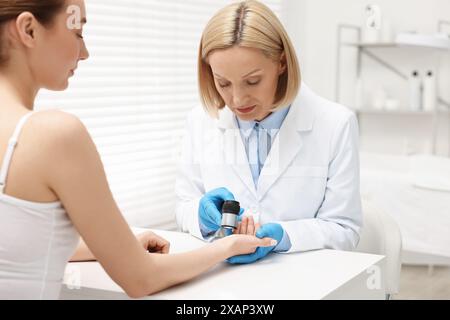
point(309, 183)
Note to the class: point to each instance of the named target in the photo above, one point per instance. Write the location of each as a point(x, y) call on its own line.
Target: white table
point(321, 274)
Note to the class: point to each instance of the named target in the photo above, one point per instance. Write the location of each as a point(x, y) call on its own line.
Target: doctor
point(287, 155)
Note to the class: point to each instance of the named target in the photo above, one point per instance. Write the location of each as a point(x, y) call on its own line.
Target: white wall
point(312, 25)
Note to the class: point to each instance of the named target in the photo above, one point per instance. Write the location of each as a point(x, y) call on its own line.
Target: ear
point(25, 27)
point(282, 65)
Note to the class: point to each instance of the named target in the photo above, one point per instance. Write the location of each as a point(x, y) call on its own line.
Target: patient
point(53, 186)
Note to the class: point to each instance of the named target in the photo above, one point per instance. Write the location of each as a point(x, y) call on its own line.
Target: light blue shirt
point(258, 137)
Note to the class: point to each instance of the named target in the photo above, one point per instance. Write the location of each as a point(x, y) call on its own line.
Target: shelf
point(425, 44)
point(399, 112)
point(434, 41)
point(442, 45)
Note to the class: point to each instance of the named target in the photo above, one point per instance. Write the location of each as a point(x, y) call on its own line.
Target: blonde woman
point(287, 155)
point(52, 183)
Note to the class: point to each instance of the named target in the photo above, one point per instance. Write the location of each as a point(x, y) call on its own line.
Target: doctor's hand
point(210, 207)
point(270, 230)
point(153, 243)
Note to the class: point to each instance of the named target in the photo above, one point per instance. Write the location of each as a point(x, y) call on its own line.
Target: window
point(133, 95)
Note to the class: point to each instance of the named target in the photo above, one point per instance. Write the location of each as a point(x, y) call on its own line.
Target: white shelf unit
point(365, 49)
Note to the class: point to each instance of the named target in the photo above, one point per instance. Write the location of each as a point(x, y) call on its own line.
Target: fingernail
point(273, 242)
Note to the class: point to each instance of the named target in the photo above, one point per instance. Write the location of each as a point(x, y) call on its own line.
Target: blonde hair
point(248, 24)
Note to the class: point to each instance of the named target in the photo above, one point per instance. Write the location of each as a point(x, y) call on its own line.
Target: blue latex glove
point(270, 230)
point(210, 207)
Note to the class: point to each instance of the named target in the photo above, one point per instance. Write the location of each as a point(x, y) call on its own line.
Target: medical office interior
point(388, 61)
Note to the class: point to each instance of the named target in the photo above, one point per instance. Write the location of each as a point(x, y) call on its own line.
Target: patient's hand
point(153, 243)
point(247, 226)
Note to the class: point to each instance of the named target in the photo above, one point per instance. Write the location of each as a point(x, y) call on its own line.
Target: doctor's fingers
point(212, 212)
point(243, 259)
point(222, 194)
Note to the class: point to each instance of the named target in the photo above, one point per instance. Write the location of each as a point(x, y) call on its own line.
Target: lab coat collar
point(300, 113)
point(289, 140)
point(272, 123)
point(285, 147)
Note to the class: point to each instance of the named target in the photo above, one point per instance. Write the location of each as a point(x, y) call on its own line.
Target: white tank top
point(36, 241)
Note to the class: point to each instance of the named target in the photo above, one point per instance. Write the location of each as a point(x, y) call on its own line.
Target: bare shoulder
point(58, 129)
point(51, 120)
point(51, 144)
point(59, 140)
point(63, 147)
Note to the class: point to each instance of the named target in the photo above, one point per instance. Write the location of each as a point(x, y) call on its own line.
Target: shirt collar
point(272, 123)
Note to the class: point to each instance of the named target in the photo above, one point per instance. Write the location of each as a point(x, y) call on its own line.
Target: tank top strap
point(10, 150)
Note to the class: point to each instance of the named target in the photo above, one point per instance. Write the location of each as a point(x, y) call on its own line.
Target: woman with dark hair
point(52, 182)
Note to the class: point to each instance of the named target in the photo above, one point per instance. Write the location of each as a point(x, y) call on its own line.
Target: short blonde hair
point(248, 24)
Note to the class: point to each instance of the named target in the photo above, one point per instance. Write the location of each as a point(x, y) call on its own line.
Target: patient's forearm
point(178, 268)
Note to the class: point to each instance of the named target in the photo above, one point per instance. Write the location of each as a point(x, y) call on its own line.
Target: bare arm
point(148, 240)
point(76, 175)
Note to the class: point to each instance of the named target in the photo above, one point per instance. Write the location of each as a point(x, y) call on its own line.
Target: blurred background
point(389, 61)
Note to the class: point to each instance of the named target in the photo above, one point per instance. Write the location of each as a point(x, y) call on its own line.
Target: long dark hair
point(43, 10)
